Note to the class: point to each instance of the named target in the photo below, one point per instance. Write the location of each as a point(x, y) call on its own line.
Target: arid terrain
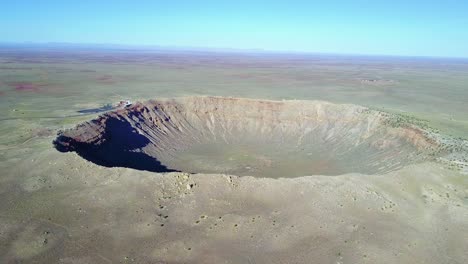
point(231, 158)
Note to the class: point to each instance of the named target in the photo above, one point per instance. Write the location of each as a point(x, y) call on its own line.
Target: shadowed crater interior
point(248, 137)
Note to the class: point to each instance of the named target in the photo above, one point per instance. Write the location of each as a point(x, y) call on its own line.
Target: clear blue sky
point(393, 27)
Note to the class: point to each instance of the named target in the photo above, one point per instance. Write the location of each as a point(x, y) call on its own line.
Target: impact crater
point(243, 137)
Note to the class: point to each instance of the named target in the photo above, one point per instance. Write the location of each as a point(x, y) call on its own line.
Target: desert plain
point(231, 157)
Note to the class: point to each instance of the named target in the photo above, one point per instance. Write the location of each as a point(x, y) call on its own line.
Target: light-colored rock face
point(248, 137)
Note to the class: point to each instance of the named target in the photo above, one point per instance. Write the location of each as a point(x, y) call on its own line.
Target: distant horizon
point(174, 48)
point(418, 28)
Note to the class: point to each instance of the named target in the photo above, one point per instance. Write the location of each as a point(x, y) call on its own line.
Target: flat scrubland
point(62, 208)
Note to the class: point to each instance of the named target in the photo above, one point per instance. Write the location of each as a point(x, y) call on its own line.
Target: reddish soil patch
point(42, 132)
point(105, 79)
point(34, 87)
point(25, 87)
point(2, 93)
